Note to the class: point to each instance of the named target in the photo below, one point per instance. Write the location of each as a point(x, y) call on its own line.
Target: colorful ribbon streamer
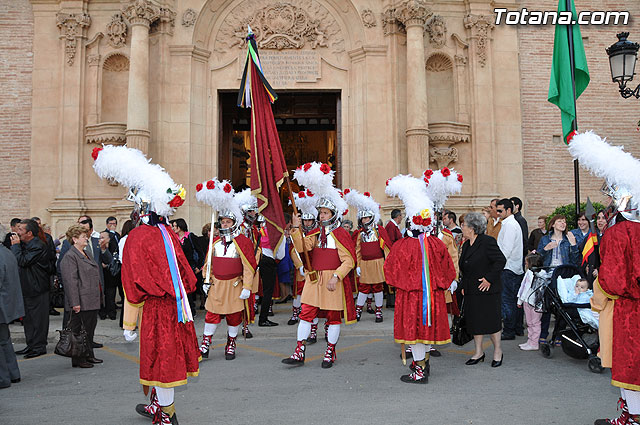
point(426, 282)
point(184, 310)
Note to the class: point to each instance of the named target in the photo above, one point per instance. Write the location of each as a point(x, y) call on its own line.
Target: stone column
point(140, 14)
point(413, 14)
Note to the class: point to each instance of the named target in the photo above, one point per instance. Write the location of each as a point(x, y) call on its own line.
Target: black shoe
point(93, 360)
point(204, 354)
point(410, 380)
point(435, 353)
point(140, 408)
point(267, 323)
point(96, 345)
point(83, 365)
point(292, 321)
point(311, 340)
point(102, 316)
point(475, 361)
point(15, 381)
point(33, 354)
point(497, 363)
point(112, 317)
point(370, 310)
point(25, 350)
point(247, 334)
point(293, 362)
point(54, 312)
point(507, 337)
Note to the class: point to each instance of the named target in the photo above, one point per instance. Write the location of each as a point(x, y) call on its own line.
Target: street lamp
point(622, 60)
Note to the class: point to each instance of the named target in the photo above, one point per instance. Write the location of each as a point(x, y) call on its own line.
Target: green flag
point(560, 86)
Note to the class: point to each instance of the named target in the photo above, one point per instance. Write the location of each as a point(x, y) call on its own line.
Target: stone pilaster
point(413, 14)
point(140, 14)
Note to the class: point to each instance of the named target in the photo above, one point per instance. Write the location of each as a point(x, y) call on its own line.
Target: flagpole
point(574, 124)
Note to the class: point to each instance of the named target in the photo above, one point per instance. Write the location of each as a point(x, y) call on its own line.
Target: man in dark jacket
point(34, 268)
point(11, 308)
point(52, 258)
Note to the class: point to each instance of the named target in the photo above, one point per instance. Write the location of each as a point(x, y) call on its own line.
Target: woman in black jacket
point(481, 262)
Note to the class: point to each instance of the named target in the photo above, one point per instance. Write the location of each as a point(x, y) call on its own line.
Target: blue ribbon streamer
point(173, 267)
point(426, 290)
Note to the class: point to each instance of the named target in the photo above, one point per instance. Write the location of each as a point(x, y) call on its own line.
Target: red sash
point(226, 268)
point(371, 250)
point(325, 259)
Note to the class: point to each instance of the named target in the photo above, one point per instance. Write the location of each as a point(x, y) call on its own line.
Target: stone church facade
point(415, 84)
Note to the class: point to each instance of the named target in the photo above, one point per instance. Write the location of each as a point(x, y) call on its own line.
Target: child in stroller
point(580, 339)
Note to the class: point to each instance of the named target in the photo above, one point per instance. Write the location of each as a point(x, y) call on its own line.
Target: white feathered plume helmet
point(306, 203)
point(318, 178)
point(221, 197)
point(413, 194)
point(147, 182)
point(441, 184)
point(620, 170)
point(364, 203)
point(247, 202)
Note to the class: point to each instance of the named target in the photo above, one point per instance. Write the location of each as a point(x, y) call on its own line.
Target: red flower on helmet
point(307, 166)
point(198, 187)
point(227, 188)
point(367, 194)
point(460, 178)
point(301, 194)
point(325, 168)
point(428, 173)
point(445, 172)
point(299, 167)
point(95, 153)
point(176, 202)
point(417, 220)
point(426, 221)
point(426, 181)
point(388, 180)
point(210, 184)
point(347, 191)
point(309, 193)
point(345, 212)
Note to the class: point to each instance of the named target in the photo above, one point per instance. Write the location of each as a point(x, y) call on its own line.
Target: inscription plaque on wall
point(286, 67)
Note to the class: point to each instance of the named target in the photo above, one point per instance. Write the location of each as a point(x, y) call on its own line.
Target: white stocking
point(165, 396)
point(333, 334)
point(418, 351)
point(296, 301)
point(633, 400)
point(233, 331)
point(210, 328)
point(378, 297)
point(304, 329)
point(361, 299)
point(315, 321)
point(369, 295)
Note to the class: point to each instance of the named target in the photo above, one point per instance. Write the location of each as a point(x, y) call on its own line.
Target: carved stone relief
point(368, 18)
point(117, 31)
point(72, 27)
point(442, 138)
point(481, 27)
point(116, 63)
point(189, 17)
point(280, 25)
point(437, 30)
point(408, 12)
point(141, 12)
point(438, 63)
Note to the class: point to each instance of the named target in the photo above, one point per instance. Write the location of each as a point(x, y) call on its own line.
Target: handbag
point(460, 335)
point(63, 347)
point(71, 344)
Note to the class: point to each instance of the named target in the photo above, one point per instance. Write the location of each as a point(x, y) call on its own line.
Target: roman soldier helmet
point(619, 169)
point(318, 178)
point(440, 185)
point(221, 196)
point(366, 206)
point(151, 188)
point(306, 203)
point(248, 203)
point(418, 206)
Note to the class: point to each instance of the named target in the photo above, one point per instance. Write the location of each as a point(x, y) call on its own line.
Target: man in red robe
point(619, 278)
point(169, 351)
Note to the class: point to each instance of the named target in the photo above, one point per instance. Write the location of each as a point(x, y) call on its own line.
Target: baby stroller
point(579, 340)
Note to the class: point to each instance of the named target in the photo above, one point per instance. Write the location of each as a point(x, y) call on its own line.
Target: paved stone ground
point(362, 388)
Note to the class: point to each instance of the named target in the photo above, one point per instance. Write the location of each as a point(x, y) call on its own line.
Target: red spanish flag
point(589, 246)
point(268, 167)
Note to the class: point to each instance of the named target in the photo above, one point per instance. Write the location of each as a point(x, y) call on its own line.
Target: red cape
point(246, 249)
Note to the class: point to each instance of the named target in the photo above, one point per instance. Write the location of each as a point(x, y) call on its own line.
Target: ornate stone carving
point(437, 30)
point(141, 12)
point(72, 27)
point(438, 63)
point(368, 18)
point(189, 17)
point(116, 63)
point(93, 60)
point(112, 133)
point(443, 156)
point(460, 60)
point(117, 31)
point(481, 27)
point(167, 21)
point(281, 25)
point(412, 12)
point(389, 22)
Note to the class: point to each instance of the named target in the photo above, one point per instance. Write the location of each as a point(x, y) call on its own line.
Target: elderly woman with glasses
point(481, 262)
